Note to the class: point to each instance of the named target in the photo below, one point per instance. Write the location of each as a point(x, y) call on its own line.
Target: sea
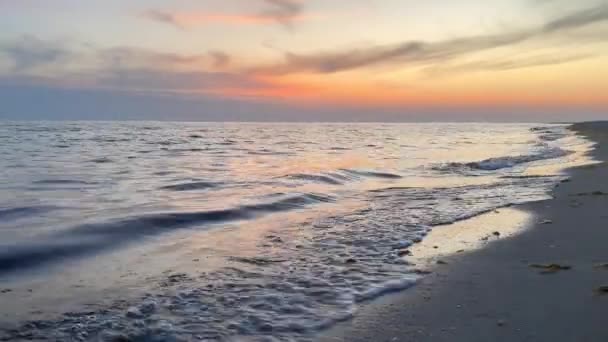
point(174, 231)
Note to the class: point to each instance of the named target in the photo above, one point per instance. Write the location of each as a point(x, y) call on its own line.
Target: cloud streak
point(163, 17)
point(187, 20)
point(283, 12)
point(416, 52)
point(503, 64)
point(127, 69)
point(30, 52)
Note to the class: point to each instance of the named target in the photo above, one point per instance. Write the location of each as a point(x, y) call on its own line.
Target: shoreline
point(493, 293)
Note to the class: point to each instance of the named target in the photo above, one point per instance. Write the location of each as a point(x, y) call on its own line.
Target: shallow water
point(194, 231)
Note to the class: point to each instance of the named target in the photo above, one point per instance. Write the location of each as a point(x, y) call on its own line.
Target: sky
point(304, 60)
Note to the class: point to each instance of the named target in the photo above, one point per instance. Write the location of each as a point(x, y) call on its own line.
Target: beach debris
point(436, 247)
point(441, 262)
point(489, 236)
point(405, 252)
point(351, 261)
point(602, 266)
point(551, 268)
point(460, 251)
point(546, 222)
point(602, 290)
point(6, 290)
point(274, 239)
point(593, 193)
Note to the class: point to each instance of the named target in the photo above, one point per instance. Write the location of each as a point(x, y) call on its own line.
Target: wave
point(498, 163)
point(62, 182)
point(549, 133)
point(192, 186)
point(103, 160)
point(285, 296)
point(17, 212)
point(110, 139)
point(329, 178)
point(342, 176)
point(373, 174)
point(91, 238)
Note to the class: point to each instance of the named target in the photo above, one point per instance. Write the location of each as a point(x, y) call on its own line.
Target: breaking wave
point(498, 163)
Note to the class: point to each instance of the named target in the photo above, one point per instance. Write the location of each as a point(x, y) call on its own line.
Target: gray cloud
point(578, 19)
point(153, 80)
point(411, 51)
point(122, 68)
point(30, 52)
point(163, 17)
point(130, 56)
point(131, 68)
point(283, 11)
point(426, 52)
point(503, 64)
point(220, 59)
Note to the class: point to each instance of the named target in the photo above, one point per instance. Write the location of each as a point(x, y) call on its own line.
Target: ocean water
point(150, 231)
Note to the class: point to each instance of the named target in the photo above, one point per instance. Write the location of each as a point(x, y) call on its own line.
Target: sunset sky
point(304, 60)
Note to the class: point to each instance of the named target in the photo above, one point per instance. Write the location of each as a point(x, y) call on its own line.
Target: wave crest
point(498, 163)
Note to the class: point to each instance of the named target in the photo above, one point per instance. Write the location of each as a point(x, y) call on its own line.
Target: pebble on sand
point(551, 268)
point(602, 289)
point(404, 252)
point(602, 265)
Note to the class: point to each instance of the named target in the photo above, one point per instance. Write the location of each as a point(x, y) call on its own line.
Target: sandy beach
point(547, 283)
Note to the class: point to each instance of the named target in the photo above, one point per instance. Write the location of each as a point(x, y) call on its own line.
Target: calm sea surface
point(258, 232)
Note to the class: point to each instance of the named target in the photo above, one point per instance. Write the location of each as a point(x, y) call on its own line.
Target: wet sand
point(496, 294)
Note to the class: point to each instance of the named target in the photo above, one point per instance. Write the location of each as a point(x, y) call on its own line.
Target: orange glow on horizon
point(348, 92)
